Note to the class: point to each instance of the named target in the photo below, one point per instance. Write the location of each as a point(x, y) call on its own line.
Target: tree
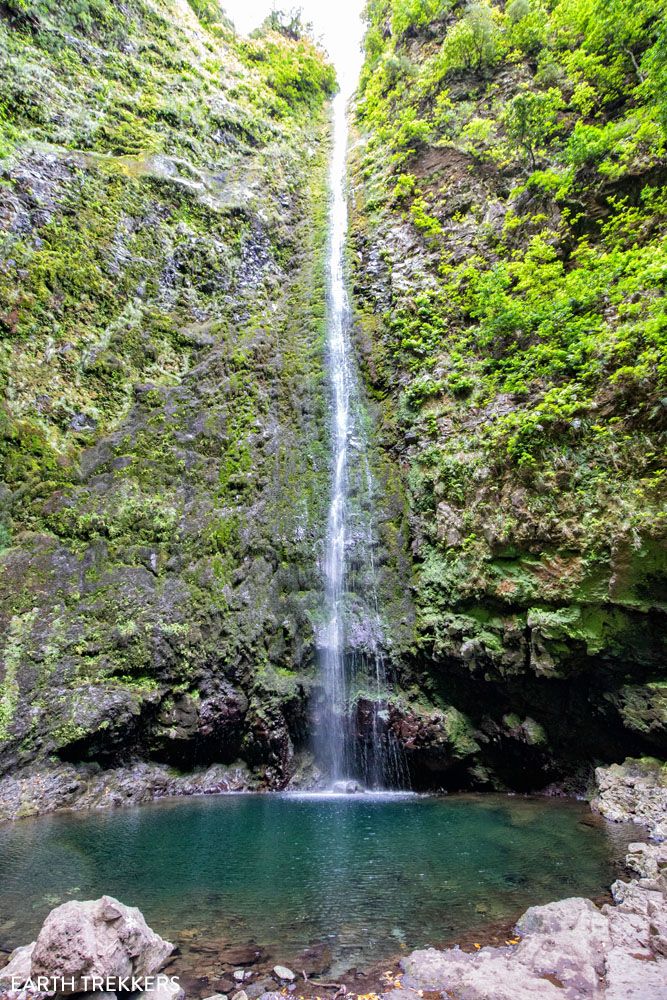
point(473, 41)
point(531, 118)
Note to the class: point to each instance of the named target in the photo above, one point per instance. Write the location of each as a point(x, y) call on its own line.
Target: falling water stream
point(350, 743)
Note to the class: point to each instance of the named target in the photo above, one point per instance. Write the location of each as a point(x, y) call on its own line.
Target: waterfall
point(352, 736)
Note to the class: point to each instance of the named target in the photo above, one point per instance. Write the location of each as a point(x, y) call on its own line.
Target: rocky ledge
point(88, 786)
point(634, 791)
point(569, 950)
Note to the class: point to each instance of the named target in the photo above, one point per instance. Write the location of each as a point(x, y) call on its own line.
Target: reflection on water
point(368, 874)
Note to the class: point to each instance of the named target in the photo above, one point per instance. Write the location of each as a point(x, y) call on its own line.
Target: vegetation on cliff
point(164, 432)
point(161, 308)
point(510, 261)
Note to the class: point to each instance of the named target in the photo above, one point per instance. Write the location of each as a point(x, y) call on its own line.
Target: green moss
point(15, 648)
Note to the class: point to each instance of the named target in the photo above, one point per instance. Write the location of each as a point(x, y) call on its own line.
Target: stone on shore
point(569, 949)
point(635, 792)
point(282, 972)
point(19, 966)
point(100, 937)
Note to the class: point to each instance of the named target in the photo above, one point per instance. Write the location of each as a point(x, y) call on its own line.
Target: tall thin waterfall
point(352, 736)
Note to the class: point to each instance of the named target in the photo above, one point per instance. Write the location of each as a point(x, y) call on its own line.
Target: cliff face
point(509, 261)
point(164, 431)
point(163, 436)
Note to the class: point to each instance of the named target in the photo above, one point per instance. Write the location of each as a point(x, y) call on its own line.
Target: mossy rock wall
point(507, 241)
point(163, 199)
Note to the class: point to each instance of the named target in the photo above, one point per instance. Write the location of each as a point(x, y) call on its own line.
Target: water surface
point(370, 875)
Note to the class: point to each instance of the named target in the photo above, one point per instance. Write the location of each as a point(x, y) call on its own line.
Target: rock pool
point(361, 877)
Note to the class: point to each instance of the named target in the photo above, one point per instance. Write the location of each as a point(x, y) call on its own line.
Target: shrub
point(531, 120)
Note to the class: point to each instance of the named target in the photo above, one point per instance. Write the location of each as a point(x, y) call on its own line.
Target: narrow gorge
point(332, 439)
point(167, 588)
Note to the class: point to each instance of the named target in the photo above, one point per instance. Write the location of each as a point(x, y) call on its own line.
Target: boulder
point(346, 787)
point(634, 791)
point(100, 937)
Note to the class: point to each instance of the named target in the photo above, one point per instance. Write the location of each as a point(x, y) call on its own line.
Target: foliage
point(525, 350)
point(531, 119)
point(208, 11)
point(473, 42)
point(288, 23)
point(407, 15)
point(296, 73)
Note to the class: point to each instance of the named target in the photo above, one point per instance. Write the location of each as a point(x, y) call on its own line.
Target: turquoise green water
point(369, 875)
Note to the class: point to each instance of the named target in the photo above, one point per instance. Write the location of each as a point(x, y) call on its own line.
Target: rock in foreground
point(97, 938)
point(570, 950)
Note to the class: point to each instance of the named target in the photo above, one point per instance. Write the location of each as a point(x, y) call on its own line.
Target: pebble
point(283, 973)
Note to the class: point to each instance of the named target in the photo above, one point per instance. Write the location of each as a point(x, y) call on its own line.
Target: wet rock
point(263, 985)
point(346, 787)
point(244, 954)
point(101, 937)
point(87, 786)
point(315, 959)
point(434, 740)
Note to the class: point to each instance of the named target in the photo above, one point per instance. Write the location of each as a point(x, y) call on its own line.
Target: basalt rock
point(537, 555)
point(164, 462)
point(88, 786)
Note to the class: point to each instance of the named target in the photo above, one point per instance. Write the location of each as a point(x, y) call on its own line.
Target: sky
point(337, 23)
